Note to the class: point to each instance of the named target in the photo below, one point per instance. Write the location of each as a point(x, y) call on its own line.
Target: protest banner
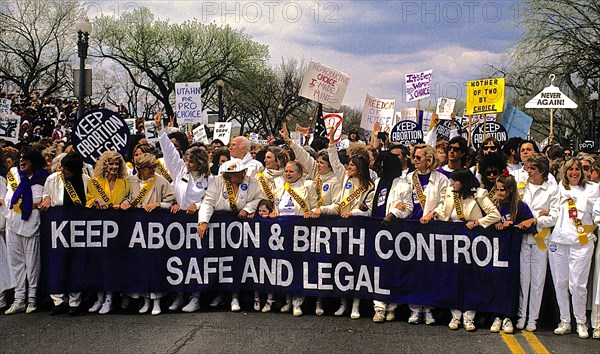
point(485, 96)
point(5, 104)
point(324, 84)
point(418, 85)
point(131, 125)
point(407, 132)
point(445, 107)
point(331, 121)
point(98, 131)
point(516, 122)
point(492, 129)
point(440, 264)
point(378, 110)
point(222, 132)
point(150, 130)
point(9, 127)
point(200, 134)
point(188, 103)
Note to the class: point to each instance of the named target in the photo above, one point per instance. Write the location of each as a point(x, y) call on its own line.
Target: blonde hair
point(144, 160)
point(100, 169)
point(430, 155)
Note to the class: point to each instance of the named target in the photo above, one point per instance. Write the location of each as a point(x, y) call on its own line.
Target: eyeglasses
point(151, 167)
point(490, 147)
point(417, 158)
point(586, 168)
point(453, 148)
point(492, 172)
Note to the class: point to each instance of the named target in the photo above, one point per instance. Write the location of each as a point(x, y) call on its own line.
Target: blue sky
point(376, 42)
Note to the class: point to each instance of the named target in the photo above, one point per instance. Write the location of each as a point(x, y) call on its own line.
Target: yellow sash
point(318, 186)
point(458, 206)
point(163, 171)
point(145, 189)
point(101, 191)
point(70, 190)
point(492, 193)
point(419, 190)
point(13, 185)
point(264, 184)
point(231, 196)
point(539, 238)
point(582, 230)
point(297, 198)
point(352, 197)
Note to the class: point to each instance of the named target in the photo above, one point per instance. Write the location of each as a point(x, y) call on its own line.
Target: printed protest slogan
point(441, 264)
point(9, 127)
point(418, 85)
point(378, 110)
point(222, 132)
point(98, 131)
point(324, 84)
point(188, 102)
point(485, 96)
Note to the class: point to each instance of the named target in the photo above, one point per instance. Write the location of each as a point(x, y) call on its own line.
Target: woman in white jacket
point(571, 246)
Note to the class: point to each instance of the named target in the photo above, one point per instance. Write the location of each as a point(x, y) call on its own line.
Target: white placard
point(378, 110)
point(445, 107)
point(418, 85)
point(9, 127)
point(222, 132)
point(5, 107)
point(131, 125)
point(324, 84)
point(551, 97)
point(188, 103)
point(151, 131)
point(331, 120)
point(200, 134)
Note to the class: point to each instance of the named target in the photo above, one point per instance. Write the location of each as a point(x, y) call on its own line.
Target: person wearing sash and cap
point(392, 200)
point(150, 191)
point(356, 197)
point(24, 192)
point(543, 199)
point(296, 197)
point(326, 183)
point(465, 202)
point(108, 189)
point(231, 191)
point(191, 178)
point(66, 188)
point(571, 246)
point(428, 188)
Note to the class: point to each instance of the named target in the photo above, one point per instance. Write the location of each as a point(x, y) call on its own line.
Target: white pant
point(419, 308)
point(384, 306)
point(468, 315)
point(74, 299)
point(533, 277)
point(24, 259)
point(570, 267)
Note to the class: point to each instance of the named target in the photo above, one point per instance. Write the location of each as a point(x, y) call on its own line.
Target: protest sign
point(131, 125)
point(331, 120)
point(440, 264)
point(98, 131)
point(407, 114)
point(9, 127)
point(5, 106)
point(551, 97)
point(517, 123)
point(188, 103)
point(445, 107)
point(378, 110)
point(324, 85)
point(222, 132)
point(485, 96)
point(418, 85)
point(407, 132)
point(492, 129)
point(151, 131)
point(444, 128)
point(200, 134)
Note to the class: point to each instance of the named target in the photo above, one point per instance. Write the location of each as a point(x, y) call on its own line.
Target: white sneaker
point(496, 325)
point(429, 320)
point(106, 307)
point(156, 308)
point(267, 307)
point(521, 323)
point(31, 307)
point(596, 334)
point(193, 305)
point(319, 309)
point(177, 303)
point(97, 305)
point(216, 301)
point(146, 307)
point(379, 317)
point(582, 331)
point(297, 311)
point(257, 304)
point(414, 317)
point(16, 307)
point(469, 325)
point(355, 315)
point(286, 308)
point(507, 326)
point(563, 328)
point(341, 310)
point(390, 316)
point(454, 323)
point(235, 305)
point(531, 327)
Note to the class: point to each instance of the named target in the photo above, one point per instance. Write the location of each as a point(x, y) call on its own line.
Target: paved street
point(248, 331)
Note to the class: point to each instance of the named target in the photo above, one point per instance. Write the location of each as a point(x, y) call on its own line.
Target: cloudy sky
point(375, 42)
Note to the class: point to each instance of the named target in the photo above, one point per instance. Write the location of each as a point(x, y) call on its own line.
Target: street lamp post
point(83, 27)
point(220, 85)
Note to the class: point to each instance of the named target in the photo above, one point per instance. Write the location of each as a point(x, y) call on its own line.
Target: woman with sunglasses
point(543, 199)
point(150, 191)
point(571, 246)
point(490, 168)
point(356, 197)
point(428, 187)
point(476, 209)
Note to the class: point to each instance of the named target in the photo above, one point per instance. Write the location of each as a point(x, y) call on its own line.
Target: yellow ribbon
point(145, 189)
point(264, 184)
point(163, 171)
point(419, 190)
point(70, 190)
point(539, 238)
point(297, 198)
point(231, 196)
point(318, 186)
point(352, 197)
point(458, 206)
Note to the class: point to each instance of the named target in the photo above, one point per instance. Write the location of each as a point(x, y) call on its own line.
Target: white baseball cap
point(231, 166)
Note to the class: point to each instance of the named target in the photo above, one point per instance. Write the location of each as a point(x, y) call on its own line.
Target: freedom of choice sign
point(98, 131)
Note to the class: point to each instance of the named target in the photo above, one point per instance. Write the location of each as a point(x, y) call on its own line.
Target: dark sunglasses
point(491, 147)
point(492, 172)
point(453, 148)
point(586, 168)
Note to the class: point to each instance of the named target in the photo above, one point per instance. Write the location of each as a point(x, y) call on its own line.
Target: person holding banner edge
point(465, 202)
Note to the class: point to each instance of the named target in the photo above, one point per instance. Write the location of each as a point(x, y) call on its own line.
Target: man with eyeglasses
point(457, 155)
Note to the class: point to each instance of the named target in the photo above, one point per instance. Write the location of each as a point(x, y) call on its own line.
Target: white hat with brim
point(232, 166)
